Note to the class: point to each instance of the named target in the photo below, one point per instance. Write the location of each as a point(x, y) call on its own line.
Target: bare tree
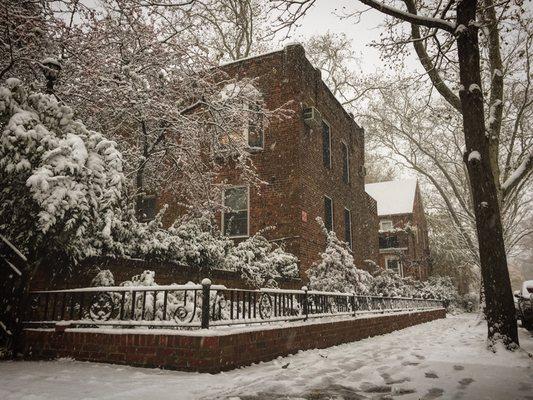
point(445, 37)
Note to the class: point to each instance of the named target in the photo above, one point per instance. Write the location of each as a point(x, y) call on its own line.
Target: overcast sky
point(324, 16)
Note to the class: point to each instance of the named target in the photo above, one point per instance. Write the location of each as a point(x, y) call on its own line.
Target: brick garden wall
point(213, 354)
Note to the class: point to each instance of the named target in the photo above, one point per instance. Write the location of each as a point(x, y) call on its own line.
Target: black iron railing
point(183, 306)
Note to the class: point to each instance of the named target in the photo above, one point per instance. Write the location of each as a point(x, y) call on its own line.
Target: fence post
point(206, 285)
point(306, 304)
point(354, 304)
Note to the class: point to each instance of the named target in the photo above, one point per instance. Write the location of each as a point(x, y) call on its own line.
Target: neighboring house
point(403, 234)
point(312, 163)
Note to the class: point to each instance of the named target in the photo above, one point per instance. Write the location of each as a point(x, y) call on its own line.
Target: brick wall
point(291, 161)
point(296, 180)
point(212, 353)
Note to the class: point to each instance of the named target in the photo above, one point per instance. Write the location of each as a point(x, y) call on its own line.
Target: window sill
point(254, 150)
point(391, 249)
point(238, 237)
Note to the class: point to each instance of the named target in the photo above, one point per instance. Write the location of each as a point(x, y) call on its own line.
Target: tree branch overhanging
point(429, 22)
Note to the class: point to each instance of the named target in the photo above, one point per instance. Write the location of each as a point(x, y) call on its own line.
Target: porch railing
point(183, 306)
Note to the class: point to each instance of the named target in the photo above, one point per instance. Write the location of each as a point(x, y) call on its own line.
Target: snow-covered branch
point(525, 167)
point(429, 22)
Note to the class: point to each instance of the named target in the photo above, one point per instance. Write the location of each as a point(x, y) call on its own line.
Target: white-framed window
point(345, 163)
point(254, 129)
point(252, 133)
point(326, 144)
point(348, 227)
point(394, 264)
point(385, 225)
point(236, 219)
point(328, 213)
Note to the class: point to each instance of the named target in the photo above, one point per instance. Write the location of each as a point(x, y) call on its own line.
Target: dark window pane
point(326, 144)
point(255, 126)
point(146, 208)
point(236, 198)
point(328, 213)
point(236, 223)
point(236, 219)
point(345, 164)
point(393, 265)
point(348, 227)
point(388, 242)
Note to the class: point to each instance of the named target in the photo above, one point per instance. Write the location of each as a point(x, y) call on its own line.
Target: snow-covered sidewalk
point(444, 359)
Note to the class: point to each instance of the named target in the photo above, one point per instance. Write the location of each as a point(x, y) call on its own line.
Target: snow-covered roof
point(393, 197)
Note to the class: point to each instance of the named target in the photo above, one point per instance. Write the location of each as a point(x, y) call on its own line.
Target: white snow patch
point(474, 155)
point(460, 29)
point(393, 197)
point(453, 349)
point(474, 87)
point(524, 165)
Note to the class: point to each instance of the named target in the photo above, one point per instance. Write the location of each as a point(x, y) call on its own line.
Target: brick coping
point(233, 329)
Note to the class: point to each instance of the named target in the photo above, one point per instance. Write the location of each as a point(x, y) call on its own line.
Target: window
point(326, 144)
point(389, 242)
point(345, 163)
point(385, 225)
point(395, 265)
point(235, 220)
point(348, 227)
point(252, 133)
point(146, 208)
point(254, 130)
point(328, 213)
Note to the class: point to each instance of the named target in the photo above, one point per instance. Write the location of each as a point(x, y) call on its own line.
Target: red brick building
point(312, 163)
point(403, 233)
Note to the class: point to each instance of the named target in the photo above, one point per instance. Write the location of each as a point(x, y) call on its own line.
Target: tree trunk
point(500, 311)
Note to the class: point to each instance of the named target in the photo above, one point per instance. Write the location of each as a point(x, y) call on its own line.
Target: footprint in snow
point(406, 363)
point(431, 374)
point(369, 387)
point(389, 380)
point(465, 382)
point(458, 367)
point(420, 357)
point(399, 391)
point(433, 393)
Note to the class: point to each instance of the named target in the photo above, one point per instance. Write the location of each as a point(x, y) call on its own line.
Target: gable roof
point(393, 197)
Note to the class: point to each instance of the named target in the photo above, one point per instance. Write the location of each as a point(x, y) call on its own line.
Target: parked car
point(524, 304)
point(516, 294)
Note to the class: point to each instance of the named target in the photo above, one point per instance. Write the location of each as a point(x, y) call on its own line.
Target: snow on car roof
point(525, 286)
point(393, 197)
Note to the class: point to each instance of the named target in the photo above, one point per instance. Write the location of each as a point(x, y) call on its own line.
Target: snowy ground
point(443, 359)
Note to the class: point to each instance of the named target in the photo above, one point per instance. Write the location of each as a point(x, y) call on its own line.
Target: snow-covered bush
point(389, 284)
point(192, 240)
point(336, 271)
point(144, 300)
point(59, 180)
point(260, 262)
point(442, 288)
point(201, 243)
point(104, 277)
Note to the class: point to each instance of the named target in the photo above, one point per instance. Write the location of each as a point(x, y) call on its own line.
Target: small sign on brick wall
point(304, 216)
